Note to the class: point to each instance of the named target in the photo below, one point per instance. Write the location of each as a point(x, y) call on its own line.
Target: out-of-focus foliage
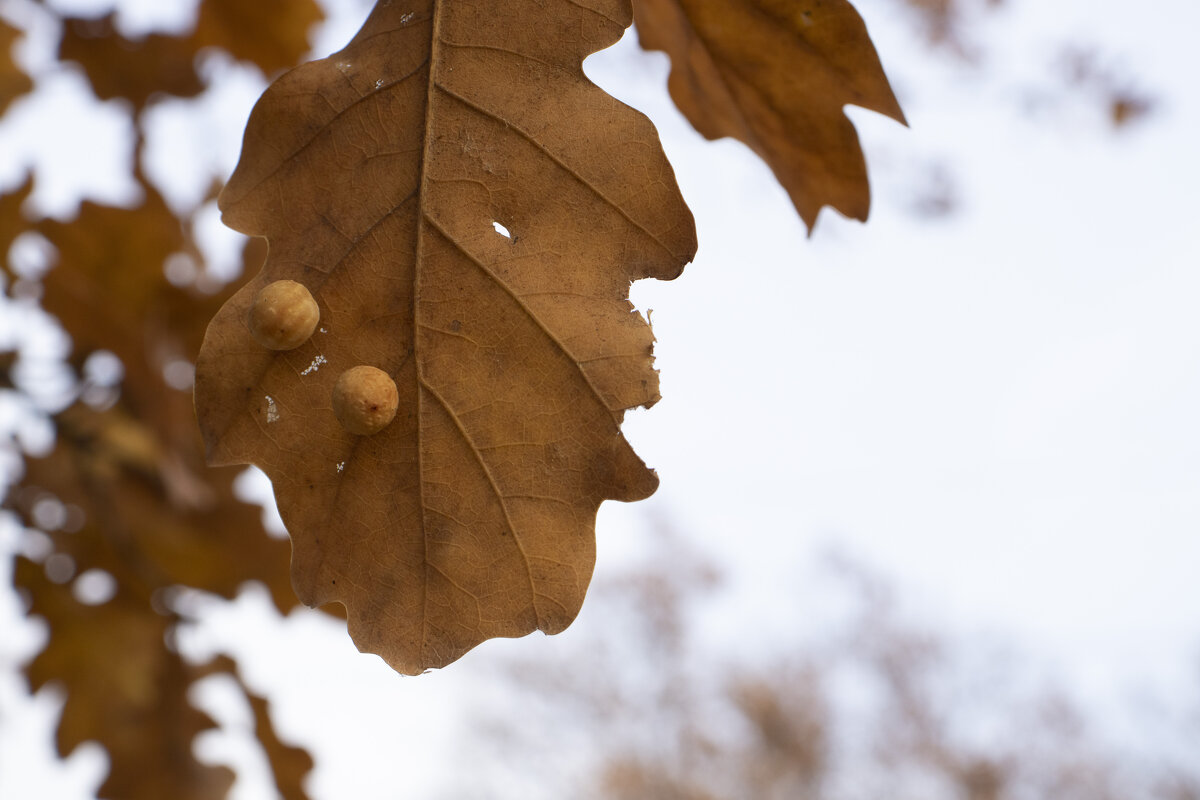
point(1075, 78)
point(123, 510)
point(13, 82)
point(776, 76)
point(875, 706)
point(273, 34)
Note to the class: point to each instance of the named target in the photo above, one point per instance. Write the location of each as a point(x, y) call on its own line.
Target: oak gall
point(365, 400)
point(284, 315)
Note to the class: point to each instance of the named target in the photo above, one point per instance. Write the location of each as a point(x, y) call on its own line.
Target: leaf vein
point(558, 161)
point(491, 479)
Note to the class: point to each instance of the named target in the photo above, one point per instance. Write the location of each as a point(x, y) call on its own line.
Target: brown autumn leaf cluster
point(124, 510)
point(468, 211)
point(517, 352)
point(125, 493)
point(13, 81)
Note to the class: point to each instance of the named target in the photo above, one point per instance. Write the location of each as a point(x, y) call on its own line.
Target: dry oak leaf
point(12, 223)
point(273, 34)
point(109, 290)
point(270, 33)
point(125, 689)
point(13, 81)
point(136, 69)
point(381, 176)
point(289, 764)
point(776, 74)
point(149, 516)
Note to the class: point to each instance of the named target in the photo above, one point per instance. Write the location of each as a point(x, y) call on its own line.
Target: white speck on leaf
point(379, 83)
point(500, 229)
point(272, 410)
point(407, 18)
point(322, 330)
point(341, 466)
point(315, 365)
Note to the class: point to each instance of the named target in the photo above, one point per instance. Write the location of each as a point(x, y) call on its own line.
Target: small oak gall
point(365, 400)
point(284, 315)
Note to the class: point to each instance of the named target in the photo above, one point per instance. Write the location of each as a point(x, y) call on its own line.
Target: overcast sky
point(997, 408)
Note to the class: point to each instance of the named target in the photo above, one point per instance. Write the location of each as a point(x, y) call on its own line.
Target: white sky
point(998, 409)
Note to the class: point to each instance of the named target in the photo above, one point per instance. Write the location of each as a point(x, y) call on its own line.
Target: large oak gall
point(365, 400)
point(284, 315)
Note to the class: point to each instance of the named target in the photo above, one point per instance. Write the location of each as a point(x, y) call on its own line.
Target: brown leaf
point(111, 259)
point(12, 224)
point(13, 81)
point(137, 469)
point(150, 517)
point(290, 765)
point(129, 482)
point(775, 74)
point(377, 175)
point(132, 700)
point(133, 69)
point(271, 33)
point(143, 509)
point(109, 289)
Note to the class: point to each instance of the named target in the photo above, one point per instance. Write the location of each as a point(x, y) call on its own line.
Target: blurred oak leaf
point(134, 69)
point(468, 210)
point(270, 33)
point(111, 257)
point(137, 468)
point(776, 74)
point(13, 80)
point(151, 516)
point(109, 288)
point(289, 764)
point(12, 223)
point(145, 511)
point(133, 701)
point(273, 34)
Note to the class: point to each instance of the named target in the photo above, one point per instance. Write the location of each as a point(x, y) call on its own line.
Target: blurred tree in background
point(871, 706)
point(115, 511)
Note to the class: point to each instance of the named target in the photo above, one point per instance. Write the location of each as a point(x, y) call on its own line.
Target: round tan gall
point(365, 400)
point(284, 315)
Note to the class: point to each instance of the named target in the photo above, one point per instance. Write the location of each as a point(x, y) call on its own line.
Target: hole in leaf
point(500, 229)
